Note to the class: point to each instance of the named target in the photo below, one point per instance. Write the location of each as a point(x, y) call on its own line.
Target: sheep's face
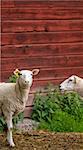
point(26, 76)
point(68, 84)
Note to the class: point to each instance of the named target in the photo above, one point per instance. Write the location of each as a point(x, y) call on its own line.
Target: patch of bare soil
point(40, 140)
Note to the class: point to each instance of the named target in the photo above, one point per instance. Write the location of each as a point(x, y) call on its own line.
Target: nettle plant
point(16, 119)
point(57, 112)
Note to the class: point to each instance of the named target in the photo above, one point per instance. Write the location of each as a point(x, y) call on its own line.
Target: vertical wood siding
point(42, 34)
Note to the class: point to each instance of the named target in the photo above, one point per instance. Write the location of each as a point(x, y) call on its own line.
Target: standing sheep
point(73, 83)
point(13, 97)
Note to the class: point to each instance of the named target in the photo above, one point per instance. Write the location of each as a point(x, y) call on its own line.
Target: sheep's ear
point(75, 80)
point(17, 72)
point(35, 71)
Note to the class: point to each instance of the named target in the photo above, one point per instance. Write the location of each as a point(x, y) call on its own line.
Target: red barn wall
point(42, 34)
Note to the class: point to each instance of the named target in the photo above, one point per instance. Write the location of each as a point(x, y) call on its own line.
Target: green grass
point(62, 122)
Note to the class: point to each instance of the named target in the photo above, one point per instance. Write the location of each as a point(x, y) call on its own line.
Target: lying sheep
point(13, 98)
point(73, 83)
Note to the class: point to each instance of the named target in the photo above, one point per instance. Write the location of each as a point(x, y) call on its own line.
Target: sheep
point(73, 83)
point(13, 98)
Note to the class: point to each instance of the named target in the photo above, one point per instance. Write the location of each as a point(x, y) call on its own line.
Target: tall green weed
point(57, 112)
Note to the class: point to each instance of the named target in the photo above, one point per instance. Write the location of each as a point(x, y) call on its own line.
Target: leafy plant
point(58, 112)
point(44, 107)
point(18, 118)
point(2, 124)
point(70, 103)
point(12, 78)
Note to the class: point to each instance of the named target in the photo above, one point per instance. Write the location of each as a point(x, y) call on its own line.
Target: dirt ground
point(40, 140)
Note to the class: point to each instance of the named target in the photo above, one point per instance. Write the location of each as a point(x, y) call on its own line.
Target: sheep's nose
point(26, 82)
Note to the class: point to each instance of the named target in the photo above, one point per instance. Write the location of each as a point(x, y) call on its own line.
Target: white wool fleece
point(13, 97)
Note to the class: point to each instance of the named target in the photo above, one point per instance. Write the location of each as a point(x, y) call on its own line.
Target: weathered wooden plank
point(20, 13)
point(41, 37)
point(42, 25)
point(42, 62)
point(7, 3)
point(41, 50)
point(42, 3)
point(27, 112)
point(30, 101)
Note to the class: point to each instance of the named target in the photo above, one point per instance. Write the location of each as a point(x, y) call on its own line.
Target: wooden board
point(40, 50)
point(20, 13)
point(42, 25)
point(42, 62)
point(41, 37)
point(42, 3)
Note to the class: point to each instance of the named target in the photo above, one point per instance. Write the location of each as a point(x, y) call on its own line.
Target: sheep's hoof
point(12, 145)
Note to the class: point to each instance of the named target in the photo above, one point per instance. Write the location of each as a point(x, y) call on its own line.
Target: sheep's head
point(68, 84)
point(25, 77)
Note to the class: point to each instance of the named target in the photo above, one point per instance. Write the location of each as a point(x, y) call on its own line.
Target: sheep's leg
point(9, 132)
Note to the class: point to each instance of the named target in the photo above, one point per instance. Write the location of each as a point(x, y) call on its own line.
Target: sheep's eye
point(19, 74)
point(70, 80)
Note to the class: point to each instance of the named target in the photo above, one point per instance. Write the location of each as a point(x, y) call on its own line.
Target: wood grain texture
point(42, 25)
point(41, 37)
point(42, 4)
point(30, 101)
point(27, 112)
point(37, 50)
point(20, 13)
point(42, 62)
